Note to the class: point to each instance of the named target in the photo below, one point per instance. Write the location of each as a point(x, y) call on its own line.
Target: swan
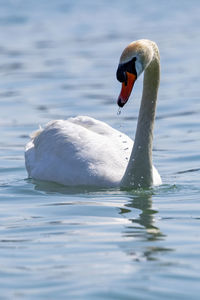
point(88, 152)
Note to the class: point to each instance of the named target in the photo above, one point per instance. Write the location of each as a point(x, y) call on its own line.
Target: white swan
point(84, 151)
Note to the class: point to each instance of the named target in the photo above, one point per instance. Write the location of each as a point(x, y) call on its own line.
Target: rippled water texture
point(58, 59)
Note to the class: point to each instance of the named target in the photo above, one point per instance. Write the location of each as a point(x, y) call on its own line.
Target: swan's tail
point(34, 134)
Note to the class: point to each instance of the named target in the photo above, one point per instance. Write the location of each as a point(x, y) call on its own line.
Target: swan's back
point(78, 151)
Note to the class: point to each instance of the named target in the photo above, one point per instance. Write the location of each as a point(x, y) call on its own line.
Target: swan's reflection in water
point(140, 237)
point(146, 239)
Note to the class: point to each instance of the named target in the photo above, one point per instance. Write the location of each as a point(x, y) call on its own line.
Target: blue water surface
point(58, 59)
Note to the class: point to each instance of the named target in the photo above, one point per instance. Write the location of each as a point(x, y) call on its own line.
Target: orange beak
point(126, 89)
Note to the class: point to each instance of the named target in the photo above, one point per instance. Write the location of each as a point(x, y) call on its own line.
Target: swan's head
point(134, 60)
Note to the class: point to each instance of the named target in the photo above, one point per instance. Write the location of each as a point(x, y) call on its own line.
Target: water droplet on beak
point(119, 111)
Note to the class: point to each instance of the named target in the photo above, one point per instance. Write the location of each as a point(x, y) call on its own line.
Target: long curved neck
point(139, 171)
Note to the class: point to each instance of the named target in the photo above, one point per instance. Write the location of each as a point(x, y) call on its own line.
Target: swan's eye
point(121, 74)
point(126, 67)
point(130, 66)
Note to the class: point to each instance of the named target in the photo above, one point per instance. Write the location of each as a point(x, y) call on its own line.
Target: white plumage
point(84, 151)
point(78, 151)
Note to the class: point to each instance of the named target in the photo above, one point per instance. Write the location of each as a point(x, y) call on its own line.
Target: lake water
point(58, 59)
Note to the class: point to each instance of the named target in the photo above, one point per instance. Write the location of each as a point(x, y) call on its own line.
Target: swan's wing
point(156, 177)
point(79, 150)
point(94, 125)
